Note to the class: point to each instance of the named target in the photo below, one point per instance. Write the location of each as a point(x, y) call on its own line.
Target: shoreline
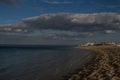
point(105, 64)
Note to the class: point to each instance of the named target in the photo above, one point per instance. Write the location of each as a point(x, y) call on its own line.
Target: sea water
point(40, 63)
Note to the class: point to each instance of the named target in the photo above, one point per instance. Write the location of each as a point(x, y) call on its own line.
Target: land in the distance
point(105, 64)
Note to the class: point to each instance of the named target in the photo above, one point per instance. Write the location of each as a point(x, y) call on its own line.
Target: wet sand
point(105, 65)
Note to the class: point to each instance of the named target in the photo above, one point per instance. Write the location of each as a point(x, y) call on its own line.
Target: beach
point(105, 64)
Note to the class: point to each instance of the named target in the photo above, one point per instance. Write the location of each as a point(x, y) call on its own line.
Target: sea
point(46, 62)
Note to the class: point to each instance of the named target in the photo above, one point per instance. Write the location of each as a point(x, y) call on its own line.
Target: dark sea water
point(39, 63)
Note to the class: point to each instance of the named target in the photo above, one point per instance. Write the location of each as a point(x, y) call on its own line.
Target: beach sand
point(105, 65)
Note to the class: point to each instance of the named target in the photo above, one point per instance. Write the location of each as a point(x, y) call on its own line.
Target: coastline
point(105, 64)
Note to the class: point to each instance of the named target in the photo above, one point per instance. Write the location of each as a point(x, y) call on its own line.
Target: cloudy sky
point(59, 21)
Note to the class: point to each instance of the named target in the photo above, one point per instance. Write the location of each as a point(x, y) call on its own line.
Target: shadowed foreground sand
point(104, 66)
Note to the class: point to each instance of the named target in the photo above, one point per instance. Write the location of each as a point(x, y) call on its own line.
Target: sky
point(12, 11)
point(61, 20)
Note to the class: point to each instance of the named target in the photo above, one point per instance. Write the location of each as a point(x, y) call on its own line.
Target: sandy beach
point(105, 65)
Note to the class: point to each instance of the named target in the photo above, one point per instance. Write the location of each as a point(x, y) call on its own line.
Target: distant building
point(88, 44)
point(118, 45)
point(99, 44)
point(111, 43)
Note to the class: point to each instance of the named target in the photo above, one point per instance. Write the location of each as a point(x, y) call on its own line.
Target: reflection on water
point(39, 63)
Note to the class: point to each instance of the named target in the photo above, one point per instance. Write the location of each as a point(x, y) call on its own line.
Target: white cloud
point(109, 31)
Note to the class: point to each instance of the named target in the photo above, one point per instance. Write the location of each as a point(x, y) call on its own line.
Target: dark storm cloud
point(75, 22)
point(87, 23)
point(67, 34)
point(11, 2)
point(14, 28)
